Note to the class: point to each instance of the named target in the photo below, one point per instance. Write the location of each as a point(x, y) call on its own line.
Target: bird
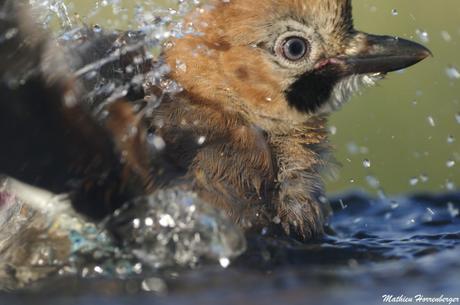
point(247, 131)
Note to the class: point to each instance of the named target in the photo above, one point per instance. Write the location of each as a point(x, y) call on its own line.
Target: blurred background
point(404, 135)
point(401, 136)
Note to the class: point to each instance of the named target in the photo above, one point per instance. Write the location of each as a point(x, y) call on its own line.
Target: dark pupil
point(294, 48)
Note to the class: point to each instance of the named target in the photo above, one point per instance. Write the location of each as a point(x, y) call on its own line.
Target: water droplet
point(450, 163)
point(276, 220)
point(137, 268)
point(367, 163)
point(148, 222)
point(373, 182)
point(167, 221)
point(201, 140)
point(70, 100)
point(136, 223)
point(97, 28)
point(157, 142)
point(424, 178)
point(452, 72)
point(98, 270)
point(8, 34)
point(333, 130)
point(450, 139)
point(446, 36)
point(450, 185)
point(181, 66)
point(413, 181)
point(431, 121)
point(394, 12)
point(224, 262)
point(423, 35)
point(154, 284)
point(454, 212)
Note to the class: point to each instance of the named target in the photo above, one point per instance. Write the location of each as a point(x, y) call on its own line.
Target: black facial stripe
point(311, 91)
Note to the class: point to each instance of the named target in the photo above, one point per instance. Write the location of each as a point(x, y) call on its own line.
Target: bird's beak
point(381, 54)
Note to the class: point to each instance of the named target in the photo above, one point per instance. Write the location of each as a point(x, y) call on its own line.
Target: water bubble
point(457, 117)
point(450, 163)
point(450, 139)
point(394, 12)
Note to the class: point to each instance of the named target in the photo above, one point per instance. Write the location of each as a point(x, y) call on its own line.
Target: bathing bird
point(247, 132)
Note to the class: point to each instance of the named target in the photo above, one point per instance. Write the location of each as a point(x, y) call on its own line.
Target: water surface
point(402, 246)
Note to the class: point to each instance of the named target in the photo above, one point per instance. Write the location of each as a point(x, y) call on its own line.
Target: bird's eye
point(294, 48)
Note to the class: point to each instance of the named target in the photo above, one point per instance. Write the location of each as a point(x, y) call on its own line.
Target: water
point(170, 229)
point(402, 246)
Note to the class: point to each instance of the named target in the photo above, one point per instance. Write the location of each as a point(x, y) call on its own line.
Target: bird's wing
point(50, 138)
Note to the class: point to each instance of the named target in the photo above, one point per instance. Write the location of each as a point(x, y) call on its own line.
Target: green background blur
point(402, 125)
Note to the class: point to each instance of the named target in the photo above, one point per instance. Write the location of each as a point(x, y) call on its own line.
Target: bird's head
point(282, 59)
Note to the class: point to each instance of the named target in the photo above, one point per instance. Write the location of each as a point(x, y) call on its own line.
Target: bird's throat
point(311, 91)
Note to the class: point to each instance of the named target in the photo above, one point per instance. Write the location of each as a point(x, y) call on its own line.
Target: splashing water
point(170, 229)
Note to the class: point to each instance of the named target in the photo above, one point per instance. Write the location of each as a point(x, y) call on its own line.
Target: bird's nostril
point(323, 63)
